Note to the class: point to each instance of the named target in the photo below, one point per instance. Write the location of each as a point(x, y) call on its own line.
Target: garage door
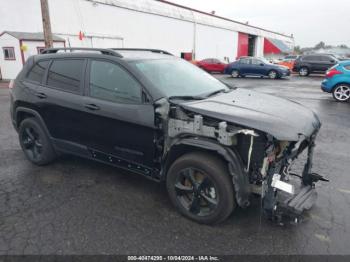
point(242, 45)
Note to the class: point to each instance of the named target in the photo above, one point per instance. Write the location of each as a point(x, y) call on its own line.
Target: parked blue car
point(337, 81)
point(250, 66)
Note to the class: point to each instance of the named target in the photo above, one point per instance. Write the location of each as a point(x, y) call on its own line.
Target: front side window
point(256, 62)
point(175, 77)
point(110, 82)
point(37, 72)
point(328, 58)
point(66, 74)
point(9, 53)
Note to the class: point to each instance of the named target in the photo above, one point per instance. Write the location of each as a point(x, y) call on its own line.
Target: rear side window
point(37, 72)
point(244, 61)
point(110, 82)
point(66, 74)
point(311, 58)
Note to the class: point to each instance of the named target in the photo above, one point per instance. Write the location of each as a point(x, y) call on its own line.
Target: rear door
point(33, 79)
point(117, 120)
point(315, 62)
point(59, 100)
point(244, 66)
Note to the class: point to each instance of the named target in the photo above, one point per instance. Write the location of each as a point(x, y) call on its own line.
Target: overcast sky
point(311, 21)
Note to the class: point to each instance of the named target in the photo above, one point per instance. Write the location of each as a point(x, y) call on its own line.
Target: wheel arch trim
point(339, 84)
point(239, 179)
point(36, 116)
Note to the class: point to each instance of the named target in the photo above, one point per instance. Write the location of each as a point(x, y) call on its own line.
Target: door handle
point(92, 107)
point(41, 95)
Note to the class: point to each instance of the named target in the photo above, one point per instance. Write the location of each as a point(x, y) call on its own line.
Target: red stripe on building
point(270, 48)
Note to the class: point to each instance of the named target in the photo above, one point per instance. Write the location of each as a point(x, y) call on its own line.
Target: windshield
point(175, 77)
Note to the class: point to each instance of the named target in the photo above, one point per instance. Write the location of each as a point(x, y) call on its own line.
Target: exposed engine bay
point(264, 163)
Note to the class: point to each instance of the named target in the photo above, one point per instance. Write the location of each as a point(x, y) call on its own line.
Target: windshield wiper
point(186, 97)
point(203, 96)
point(217, 92)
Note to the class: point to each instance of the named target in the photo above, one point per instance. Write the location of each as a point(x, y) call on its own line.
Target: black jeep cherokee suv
point(317, 63)
point(157, 115)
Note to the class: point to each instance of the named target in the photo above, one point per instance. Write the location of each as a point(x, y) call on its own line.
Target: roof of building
point(31, 36)
point(220, 17)
point(169, 9)
point(280, 45)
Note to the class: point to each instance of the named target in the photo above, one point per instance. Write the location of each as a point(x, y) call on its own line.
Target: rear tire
point(35, 143)
point(304, 71)
point(235, 73)
point(341, 92)
point(200, 187)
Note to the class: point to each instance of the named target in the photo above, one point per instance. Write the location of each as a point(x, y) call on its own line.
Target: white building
point(17, 47)
point(141, 24)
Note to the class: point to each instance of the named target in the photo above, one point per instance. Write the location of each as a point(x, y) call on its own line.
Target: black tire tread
point(217, 167)
point(48, 154)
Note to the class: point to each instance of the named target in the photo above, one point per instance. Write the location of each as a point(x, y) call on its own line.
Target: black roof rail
point(159, 51)
point(103, 51)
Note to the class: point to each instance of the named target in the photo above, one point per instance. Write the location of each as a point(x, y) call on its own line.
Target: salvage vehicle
point(157, 115)
point(337, 81)
point(251, 66)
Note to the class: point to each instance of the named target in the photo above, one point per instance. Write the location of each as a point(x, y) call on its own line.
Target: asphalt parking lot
point(75, 206)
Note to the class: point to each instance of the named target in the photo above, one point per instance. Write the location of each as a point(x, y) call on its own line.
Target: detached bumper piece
point(304, 200)
point(290, 207)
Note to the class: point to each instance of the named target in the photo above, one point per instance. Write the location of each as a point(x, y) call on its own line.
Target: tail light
point(333, 72)
point(12, 84)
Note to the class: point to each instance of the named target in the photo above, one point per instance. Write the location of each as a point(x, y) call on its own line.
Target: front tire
point(341, 93)
point(200, 187)
point(273, 74)
point(35, 144)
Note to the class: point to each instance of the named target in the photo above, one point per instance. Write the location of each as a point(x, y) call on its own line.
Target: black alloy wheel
point(35, 143)
point(196, 192)
point(32, 144)
point(201, 188)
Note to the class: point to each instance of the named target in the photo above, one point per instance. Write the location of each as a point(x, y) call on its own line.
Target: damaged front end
point(285, 194)
point(257, 161)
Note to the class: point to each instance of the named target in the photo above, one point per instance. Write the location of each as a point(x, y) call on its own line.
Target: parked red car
point(212, 65)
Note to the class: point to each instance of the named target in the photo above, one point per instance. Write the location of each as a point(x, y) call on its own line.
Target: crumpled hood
point(281, 118)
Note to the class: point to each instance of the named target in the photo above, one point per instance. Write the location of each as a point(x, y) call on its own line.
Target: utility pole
point(46, 23)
